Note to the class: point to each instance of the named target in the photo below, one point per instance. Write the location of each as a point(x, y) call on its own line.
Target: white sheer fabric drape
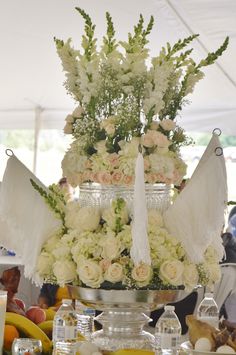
point(196, 217)
point(26, 220)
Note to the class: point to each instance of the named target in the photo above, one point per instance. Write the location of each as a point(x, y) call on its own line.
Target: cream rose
point(168, 125)
point(44, 264)
point(61, 251)
point(142, 274)
point(111, 248)
point(90, 273)
point(172, 272)
point(114, 273)
point(190, 276)
point(65, 271)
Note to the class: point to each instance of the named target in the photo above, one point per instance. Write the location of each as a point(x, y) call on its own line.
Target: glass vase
point(93, 194)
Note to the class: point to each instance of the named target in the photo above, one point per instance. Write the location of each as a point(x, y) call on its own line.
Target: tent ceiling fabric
point(31, 73)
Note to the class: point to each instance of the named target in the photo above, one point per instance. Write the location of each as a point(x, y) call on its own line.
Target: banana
point(50, 313)
point(29, 329)
point(46, 327)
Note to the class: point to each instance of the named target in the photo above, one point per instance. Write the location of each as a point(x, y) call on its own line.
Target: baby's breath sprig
point(54, 200)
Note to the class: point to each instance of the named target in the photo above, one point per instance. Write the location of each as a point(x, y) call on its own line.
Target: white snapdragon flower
point(65, 271)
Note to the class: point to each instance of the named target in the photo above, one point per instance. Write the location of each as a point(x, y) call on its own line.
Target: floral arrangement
point(95, 252)
point(125, 99)
point(124, 102)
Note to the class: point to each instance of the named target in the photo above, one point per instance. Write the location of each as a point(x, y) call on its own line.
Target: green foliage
point(88, 41)
point(54, 199)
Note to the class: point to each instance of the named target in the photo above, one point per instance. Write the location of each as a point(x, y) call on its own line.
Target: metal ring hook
point(217, 131)
point(9, 152)
point(219, 151)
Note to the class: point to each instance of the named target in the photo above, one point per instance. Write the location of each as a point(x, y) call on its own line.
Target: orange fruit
point(10, 333)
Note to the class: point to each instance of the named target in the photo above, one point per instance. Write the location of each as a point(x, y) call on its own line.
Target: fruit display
point(205, 338)
point(27, 329)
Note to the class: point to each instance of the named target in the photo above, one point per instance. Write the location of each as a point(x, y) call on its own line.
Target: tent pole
point(37, 125)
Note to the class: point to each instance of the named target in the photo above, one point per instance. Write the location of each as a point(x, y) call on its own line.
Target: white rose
point(71, 213)
point(65, 271)
point(89, 218)
point(142, 273)
point(111, 248)
point(190, 275)
point(154, 217)
point(90, 273)
point(172, 272)
point(61, 250)
point(44, 264)
point(114, 273)
point(168, 125)
point(51, 242)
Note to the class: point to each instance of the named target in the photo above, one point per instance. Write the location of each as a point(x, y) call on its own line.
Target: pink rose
point(160, 139)
point(114, 159)
point(151, 178)
point(128, 180)
point(104, 178)
point(117, 177)
point(168, 125)
point(87, 175)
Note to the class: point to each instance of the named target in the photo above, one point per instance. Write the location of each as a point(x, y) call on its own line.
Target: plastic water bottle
point(65, 328)
point(85, 317)
point(208, 310)
point(168, 332)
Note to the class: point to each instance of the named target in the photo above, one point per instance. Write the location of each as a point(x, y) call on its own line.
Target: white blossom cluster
point(96, 251)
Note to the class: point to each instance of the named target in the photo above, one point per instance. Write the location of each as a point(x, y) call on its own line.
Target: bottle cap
point(169, 308)
point(67, 300)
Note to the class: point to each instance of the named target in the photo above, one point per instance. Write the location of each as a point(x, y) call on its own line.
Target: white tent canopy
point(31, 77)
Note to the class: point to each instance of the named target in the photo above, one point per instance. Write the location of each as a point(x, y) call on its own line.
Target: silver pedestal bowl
point(124, 314)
